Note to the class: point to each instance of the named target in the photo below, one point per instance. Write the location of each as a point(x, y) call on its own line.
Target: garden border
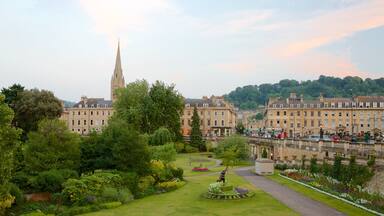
point(334, 196)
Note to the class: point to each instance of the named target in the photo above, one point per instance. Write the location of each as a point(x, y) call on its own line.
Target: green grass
point(327, 200)
point(188, 200)
point(188, 161)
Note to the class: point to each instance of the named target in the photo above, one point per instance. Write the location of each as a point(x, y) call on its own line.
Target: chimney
point(301, 98)
point(321, 98)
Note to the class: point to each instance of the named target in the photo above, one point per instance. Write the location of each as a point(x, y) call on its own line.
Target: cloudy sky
point(205, 47)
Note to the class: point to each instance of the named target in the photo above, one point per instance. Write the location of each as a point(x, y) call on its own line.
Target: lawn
point(188, 200)
point(327, 200)
point(188, 161)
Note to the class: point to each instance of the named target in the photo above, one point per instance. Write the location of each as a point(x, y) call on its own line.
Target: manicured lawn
point(188, 161)
point(327, 200)
point(188, 200)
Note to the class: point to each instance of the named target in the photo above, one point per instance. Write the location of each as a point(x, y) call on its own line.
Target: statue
point(222, 176)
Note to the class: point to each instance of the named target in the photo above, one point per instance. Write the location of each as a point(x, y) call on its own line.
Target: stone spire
point(117, 80)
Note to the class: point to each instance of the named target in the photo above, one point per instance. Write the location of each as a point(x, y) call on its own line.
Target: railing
point(343, 147)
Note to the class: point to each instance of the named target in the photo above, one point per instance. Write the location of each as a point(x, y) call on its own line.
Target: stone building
point(92, 114)
point(217, 116)
point(299, 117)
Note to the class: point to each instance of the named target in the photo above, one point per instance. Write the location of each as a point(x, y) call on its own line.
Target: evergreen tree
point(196, 136)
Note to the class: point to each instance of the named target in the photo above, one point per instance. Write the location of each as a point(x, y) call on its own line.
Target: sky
point(204, 47)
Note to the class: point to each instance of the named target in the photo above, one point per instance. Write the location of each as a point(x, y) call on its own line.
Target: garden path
point(299, 203)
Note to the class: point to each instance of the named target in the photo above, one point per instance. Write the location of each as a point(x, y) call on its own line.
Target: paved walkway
point(299, 203)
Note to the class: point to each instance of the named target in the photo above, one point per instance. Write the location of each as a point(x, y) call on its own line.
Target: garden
point(343, 180)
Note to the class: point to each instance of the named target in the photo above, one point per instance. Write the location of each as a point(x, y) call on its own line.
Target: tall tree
point(12, 94)
point(129, 149)
point(8, 142)
point(149, 108)
point(161, 137)
point(52, 146)
point(196, 137)
point(33, 106)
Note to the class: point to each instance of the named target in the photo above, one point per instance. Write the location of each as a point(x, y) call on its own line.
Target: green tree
point(337, 168)
point(12, 94)
point(313, 168)
point(8, 142)
point(166, 153)
point(33, 106)
point(352, 169)
point(240, 129)
point(259, 116)
point(161, 136)
point(52, 146)
point(129, 149)
point(196, 137)
point(149, 108)
point(95, 153)
point(235, 143)
point(230, 157)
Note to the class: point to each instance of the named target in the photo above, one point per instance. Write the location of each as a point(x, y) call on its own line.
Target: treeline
point(252, 96)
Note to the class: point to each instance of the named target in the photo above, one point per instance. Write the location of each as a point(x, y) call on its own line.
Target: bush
point(124, 196)
point(23, 180)
point(281, 166)
point(109, 194)
point(180, 147)
point(145, 186)
point(75, 190)
point(191, 149)
point(17, 193)
point(48, 181)
point(169, 185)
point(130, 180)
point(110, 205)
point(165, 153)
point(177, 173)
point(236, 144)
point(161, 136)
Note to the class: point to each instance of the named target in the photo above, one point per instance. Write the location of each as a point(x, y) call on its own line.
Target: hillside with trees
point(252, 96)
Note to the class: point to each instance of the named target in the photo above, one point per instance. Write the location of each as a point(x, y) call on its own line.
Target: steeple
point(117, 80)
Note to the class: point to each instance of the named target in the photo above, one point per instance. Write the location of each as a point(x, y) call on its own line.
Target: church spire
point(117, 80)
point(118, 60)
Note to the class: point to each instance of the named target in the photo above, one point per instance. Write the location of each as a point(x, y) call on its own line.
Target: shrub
point(235, 143)
point(22, 179)
point(169, 185)
point(48, 181)
point(281, 166)
point(180, 147)
point(130, 180)
point(17, 193)
point(165, 153)
point(124, 196)
point(161, 136)
point(191, 149)
point(75, 190)
point(110, 205)
point(109, 194)
point(313, 167)
point(177, 173)
point(6, 202)
point(215, 187)
point(145, 185)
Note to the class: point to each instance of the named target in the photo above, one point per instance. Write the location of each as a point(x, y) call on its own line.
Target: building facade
point(299, 117)
point(92, 114)
point(217, 116)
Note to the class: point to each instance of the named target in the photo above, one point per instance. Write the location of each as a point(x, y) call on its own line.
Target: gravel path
point(299, 203)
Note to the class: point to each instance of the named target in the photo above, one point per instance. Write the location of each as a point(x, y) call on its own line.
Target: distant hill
point(68, 103)
point(251, 96)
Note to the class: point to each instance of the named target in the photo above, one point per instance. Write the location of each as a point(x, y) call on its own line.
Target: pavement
point(294, 200)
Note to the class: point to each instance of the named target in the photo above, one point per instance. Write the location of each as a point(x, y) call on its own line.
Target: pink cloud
point(332, 26)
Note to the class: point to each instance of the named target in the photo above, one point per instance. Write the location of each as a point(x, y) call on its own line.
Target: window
point(182, 121)
point(85, 122)
point(312, 123)
point(222, 122)
point(78, 122)
point(215, 122)
point(103, 113)
point(305, 123)
point(285, 113)
point(285, 122)
point(91, 112)
point(78, 113)
point(298, 113)
point(298, 125)
point(278, 122)
point(91, 122)
point(205, 105)
point(201, 112)
point(291, 125)
point(305, 113)
point(201, 122)
point(291, 113)
point(318, 113)
point(222, 113)
point(209, 122)
point(97, 113)
point(73, 122)
point(340, 114)
point(102, 122)
point(361, 125)
point(215, 113)
point(278, 113)
point(109, 113)
point(312, 113)
point(189, 122)
point(85, 113)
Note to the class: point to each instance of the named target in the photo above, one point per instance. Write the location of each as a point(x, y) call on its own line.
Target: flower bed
point(355, 195)
point(200, 169)
point(222, 191)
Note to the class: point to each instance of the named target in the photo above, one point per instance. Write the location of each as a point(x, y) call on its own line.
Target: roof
point(93, 103)
point(205, 101)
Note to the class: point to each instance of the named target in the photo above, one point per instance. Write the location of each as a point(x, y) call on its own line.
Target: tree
point(148, 109)
point(337, 168)
point(12, 94)
point(95, 153)
point(161, 136)
point(234, 143)
point(8, 142)
point(196, 137)
point(129, 149)
point(166, 153)
point(313, 166)
point(230, 157)
point(259, 116)
point(240, 128)
point(52, 146)
point(33, 106)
